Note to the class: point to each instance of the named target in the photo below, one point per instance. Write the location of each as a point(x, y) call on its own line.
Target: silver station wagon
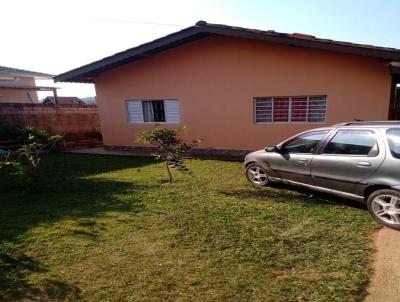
point(357, 160)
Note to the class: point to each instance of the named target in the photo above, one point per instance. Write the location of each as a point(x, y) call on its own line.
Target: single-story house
point(239, 89)
point(19, 85)
point(63, 100)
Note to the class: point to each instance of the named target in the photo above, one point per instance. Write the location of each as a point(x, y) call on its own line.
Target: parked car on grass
point(357, 160)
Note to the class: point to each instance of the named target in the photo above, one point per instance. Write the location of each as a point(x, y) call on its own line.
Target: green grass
point(109, 228)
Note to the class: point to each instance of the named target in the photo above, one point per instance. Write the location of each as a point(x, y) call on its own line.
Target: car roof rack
point(367, 123)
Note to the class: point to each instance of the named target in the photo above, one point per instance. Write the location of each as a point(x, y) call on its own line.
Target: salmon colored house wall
point(216, 79)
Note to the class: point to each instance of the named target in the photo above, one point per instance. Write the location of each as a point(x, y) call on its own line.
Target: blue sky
point(55, 36)
point(367, 21)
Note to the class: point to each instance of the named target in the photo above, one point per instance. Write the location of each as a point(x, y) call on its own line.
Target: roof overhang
point(28, 87)
point(395, 68)
point(87, 73)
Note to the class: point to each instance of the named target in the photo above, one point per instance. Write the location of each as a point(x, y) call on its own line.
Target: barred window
point(302, 109)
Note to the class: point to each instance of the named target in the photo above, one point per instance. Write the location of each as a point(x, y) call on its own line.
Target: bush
point(171, 147)
point(33, 145)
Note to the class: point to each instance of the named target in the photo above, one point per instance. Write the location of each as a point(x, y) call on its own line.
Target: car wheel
point(384, 206)
point(256, 175)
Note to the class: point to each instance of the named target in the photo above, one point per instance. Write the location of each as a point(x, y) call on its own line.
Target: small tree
point(171, 147)
point(34, 144)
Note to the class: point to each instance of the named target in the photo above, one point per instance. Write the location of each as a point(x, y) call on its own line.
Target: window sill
point(153, 123)
point(290, 123)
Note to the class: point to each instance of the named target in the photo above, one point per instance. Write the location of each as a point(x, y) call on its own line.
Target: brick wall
point(77, 122)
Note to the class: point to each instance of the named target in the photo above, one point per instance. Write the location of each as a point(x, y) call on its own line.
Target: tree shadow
point(67, 192)
point(284, 193)
point(13, 285)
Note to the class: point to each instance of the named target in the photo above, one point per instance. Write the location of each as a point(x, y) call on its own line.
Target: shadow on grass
point(65, 194)
point(287, 193)
point(13, 284)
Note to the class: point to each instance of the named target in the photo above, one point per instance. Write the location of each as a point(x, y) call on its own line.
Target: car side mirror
point(271, 149)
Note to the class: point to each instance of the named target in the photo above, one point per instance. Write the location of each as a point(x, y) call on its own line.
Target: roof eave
point(323, 45)
point(87, 73)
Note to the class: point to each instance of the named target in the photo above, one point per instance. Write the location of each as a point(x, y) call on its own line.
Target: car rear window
point(394, 141)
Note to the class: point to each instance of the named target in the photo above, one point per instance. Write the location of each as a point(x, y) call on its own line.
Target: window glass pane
point(281, 109)
point(159, 112)
point(148, 112)
point(299, 109)
point(263, 110)
point(291, 109)
point(316, 109)
point(394, 141)
point(353, 142)
point(305, 143)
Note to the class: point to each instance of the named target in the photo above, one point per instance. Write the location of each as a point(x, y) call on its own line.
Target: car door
point(349, 156)
point(292, 161)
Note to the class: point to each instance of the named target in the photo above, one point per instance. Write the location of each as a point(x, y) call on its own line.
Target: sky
point(54, 36)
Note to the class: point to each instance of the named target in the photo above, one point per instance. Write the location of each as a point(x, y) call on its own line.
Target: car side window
point(353, 142)
point(394, 141)
point(304, 143)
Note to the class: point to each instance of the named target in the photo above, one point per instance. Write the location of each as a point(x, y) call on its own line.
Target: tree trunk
point(169, 172)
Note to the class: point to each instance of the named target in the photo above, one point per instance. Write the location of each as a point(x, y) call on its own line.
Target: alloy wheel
point(257, 175)
point(387, 209)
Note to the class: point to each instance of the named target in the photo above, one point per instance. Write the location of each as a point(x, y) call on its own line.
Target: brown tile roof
point(202, 29)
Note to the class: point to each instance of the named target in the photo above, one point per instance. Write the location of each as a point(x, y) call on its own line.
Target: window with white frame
point(301, 109)
point(153, 111)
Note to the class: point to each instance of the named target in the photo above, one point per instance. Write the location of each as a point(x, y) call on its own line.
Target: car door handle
point(303, 161)
point(363, 163)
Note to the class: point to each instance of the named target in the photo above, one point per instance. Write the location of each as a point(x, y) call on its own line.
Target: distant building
point(18, 85)
point(64, 100)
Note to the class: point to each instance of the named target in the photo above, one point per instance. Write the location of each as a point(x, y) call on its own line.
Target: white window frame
point(289, 109)
point(173, 121)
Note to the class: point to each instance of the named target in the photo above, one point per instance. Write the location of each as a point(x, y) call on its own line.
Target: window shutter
point(172, 115)
point(135, 112)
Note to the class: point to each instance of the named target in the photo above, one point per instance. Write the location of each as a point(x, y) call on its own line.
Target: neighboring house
point(18, 85)
point(237, 88)
point(64, 100)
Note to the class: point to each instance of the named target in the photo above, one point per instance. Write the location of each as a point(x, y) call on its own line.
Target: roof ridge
point(202, 29)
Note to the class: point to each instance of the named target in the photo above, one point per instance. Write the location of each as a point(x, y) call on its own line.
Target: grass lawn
point(110, 229)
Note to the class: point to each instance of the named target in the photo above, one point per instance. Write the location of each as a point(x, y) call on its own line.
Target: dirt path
point(385, 282)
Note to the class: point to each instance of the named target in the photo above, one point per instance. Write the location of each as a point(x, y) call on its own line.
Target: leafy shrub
point(34, 144)
point(171, 148)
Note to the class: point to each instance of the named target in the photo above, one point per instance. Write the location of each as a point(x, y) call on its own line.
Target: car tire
point(384, 206)
point(257, 175)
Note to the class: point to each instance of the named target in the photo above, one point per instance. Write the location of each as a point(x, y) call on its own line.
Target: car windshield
point(394, 141)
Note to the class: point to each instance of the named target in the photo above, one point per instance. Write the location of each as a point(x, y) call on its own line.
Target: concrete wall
point(77, 122)
point(18, 95)
point(217, 78)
